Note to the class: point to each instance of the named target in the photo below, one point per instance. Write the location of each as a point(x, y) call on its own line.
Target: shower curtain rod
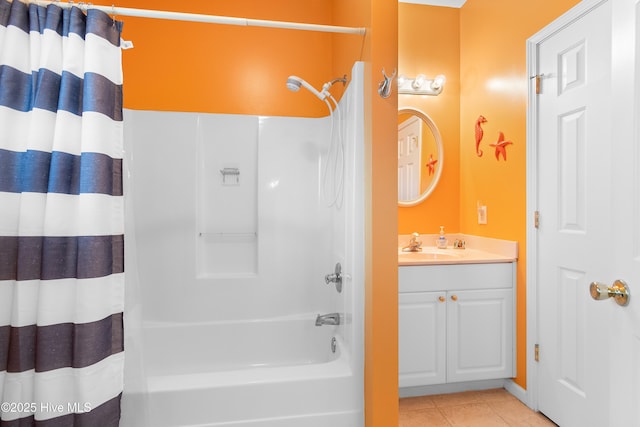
point(210, 19)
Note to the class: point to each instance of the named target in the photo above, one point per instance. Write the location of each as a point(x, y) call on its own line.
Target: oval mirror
point(420, 156)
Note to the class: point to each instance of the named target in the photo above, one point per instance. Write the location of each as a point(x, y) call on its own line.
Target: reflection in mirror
point(420, 156)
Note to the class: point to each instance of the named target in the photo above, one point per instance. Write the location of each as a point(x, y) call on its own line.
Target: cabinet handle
point(441, 298)
point(454, 297)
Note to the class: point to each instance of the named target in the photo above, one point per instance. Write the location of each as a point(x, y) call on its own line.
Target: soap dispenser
point(442, 240)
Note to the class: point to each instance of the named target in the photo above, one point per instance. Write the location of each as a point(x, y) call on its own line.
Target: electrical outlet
point(482, 214)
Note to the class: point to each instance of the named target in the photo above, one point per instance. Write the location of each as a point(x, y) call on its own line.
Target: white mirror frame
point(438, 139)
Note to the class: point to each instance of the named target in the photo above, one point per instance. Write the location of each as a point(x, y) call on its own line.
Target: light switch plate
point(482, 214)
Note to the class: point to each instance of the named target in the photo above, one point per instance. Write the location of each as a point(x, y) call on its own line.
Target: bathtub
point(278, 372)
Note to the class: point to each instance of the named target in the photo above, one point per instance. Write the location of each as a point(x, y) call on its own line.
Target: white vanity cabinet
point(422, 325)
point(456, 323)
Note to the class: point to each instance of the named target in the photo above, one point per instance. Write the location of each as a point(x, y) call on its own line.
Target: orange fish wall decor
point(431, 165)
point(479, 134)
point(501, 147)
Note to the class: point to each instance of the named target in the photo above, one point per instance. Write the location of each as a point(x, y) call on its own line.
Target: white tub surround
point(231, 241)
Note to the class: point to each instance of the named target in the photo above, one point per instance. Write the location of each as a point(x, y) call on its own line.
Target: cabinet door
point(421, 338)
point(480, 335)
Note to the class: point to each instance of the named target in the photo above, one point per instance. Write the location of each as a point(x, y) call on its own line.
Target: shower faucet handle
point(336, 277)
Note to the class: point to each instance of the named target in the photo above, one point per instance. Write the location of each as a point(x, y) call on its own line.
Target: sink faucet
point(328, 319)
point(415, 245)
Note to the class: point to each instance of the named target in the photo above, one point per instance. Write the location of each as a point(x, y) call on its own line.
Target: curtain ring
point(113, 14)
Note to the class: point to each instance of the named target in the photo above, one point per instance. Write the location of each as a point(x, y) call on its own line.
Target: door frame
point(575, 13)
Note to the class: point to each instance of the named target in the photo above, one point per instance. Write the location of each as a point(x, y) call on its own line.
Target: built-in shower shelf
point(249, 235)
point(227, 209)
point(226, 253)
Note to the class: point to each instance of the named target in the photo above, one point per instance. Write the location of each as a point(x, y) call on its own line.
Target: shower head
point(294, 83)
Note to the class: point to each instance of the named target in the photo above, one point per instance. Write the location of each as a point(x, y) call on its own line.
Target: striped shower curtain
point(61, 217)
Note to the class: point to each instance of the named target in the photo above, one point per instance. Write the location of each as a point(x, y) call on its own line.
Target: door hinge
point(536, 353)
point(538, 78)
point(536, 219)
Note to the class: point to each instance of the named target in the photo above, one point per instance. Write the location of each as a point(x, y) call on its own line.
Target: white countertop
point(479, 250)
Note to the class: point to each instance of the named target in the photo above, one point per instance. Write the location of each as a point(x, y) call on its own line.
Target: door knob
point(619, 292)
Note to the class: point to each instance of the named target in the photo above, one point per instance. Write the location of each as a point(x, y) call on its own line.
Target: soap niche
point(227, 241)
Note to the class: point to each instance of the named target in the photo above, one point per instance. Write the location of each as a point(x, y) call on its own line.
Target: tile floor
point(488, 408)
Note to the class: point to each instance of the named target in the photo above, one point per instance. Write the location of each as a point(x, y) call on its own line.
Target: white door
point(624, 325)
point(409, 155)
point(588, 178)
point(575, 244)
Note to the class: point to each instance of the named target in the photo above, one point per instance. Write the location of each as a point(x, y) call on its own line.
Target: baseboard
point(508, 384)
point(452, 388)
point(519, 392)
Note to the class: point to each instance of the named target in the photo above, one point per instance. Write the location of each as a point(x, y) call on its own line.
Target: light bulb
point(438, 82)
point(418, 81)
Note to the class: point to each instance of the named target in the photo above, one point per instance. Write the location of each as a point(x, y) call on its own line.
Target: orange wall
point(381, 361)
point(494, 83)
point(489, 39)
point(429, 44)
point(186, 66)
point(380, 51)
point(178, 66)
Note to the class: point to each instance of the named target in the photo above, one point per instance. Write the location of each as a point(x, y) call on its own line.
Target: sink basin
point(426, 256)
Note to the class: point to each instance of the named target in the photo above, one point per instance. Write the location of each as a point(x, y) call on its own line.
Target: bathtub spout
point(328, 319)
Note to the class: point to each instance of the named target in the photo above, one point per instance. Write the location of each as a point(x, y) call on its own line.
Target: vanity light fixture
point(420, 85)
